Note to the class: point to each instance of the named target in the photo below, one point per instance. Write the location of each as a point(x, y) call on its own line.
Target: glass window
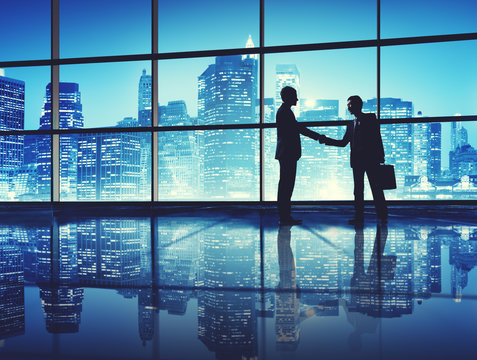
point(419, 18)
point(190, 25)
point(432, 161)
point(323, 80)
point(434, 79)
point(24, 97)
point(105, 167)
point(305, 21)
point(25, 168)
point(26, 30)
point(323, 172)
point(206, 91)
point(212, 165)
point(105, 95)
point(106, 27)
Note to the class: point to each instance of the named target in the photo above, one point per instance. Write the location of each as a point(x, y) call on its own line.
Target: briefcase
point(386, 176)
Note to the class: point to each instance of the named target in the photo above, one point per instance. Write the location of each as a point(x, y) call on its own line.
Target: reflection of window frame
point(154, 56)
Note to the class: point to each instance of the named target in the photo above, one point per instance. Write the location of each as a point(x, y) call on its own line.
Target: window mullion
point(55, 101)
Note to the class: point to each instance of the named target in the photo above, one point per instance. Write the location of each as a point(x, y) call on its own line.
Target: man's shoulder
point(368, 117)
point(284, 111)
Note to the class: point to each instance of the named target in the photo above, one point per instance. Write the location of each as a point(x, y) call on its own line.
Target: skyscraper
point(144, 117)
point(227, 95)
point(144, 102)
point(459, 135)
point(421, 148)
point(12, 117)
point(463, 161)
point(435, 149)
point(179, 163)
point(287, 75)
point(109, 166)
point(71, 117)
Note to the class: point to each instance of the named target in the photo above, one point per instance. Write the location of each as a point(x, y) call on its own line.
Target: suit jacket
point(288, 135)
point(365, 141)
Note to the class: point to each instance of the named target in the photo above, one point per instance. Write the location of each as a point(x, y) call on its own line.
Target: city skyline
point(212, 164)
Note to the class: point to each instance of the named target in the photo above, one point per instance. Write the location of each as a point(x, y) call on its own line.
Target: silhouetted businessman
point(288, 152)
point(367, 153)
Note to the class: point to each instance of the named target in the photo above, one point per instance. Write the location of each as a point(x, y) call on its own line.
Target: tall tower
point(420, 147)
point(459, 136)
point(287, 75)
point(144, 117)
point(12, 117)
point(228, 95)
point(144, 100)
point(435, 149)
point(179, 164)
point(109, 166)
point(71, 117)
point(249, 45)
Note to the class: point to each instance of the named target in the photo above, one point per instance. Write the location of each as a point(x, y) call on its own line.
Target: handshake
point(322, 139)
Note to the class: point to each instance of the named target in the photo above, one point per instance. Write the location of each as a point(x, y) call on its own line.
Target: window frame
point(55, 61)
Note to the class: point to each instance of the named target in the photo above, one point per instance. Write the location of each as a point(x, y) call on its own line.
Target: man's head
point(288, 95)
point(355, 104)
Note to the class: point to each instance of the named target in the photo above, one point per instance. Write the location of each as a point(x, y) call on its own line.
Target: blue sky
point(440, 79)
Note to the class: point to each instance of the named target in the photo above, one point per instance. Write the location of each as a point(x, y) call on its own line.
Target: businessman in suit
point(367, 153)
point(288, 152)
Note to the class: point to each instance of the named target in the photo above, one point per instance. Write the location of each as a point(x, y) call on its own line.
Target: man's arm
point(307, 132)
point(341, 143)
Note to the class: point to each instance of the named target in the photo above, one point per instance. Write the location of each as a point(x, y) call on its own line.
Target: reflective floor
point(231, 284)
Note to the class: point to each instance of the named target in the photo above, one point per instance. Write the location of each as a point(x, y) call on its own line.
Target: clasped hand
point(321, 138)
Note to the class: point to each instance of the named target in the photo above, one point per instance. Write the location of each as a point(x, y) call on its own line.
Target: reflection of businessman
point(288, 152)
point(367, 153)
point(287, 303)
point(366, 304)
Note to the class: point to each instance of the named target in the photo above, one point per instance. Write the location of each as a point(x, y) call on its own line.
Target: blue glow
point(439, 79)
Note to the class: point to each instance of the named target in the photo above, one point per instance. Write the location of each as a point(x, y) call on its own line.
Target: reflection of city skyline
point(192, 255)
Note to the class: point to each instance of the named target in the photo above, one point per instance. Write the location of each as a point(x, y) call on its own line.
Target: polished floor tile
point(232, 284)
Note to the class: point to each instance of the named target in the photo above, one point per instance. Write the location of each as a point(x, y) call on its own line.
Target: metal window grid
point(154, 56)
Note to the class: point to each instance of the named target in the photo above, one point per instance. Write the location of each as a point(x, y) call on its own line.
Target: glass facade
point(26, 42)
point(105, 166)
point(319, 21)
point(109, 27)
point(209, 165)
point(190, 25)
point(136, 108)
point(427, 17)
